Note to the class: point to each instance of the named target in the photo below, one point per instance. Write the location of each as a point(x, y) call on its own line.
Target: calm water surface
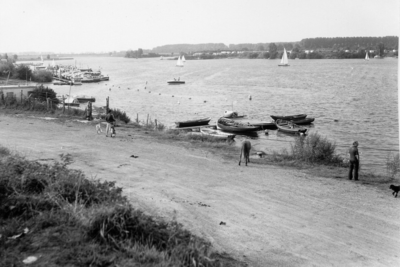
point(349, 99)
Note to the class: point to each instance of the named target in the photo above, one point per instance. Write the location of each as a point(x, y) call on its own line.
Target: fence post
point(147, 120)
point(155, 121)
point(63, 104)
point(21, 96)
point(137, 117)
point(107, 103)
point(47, 103)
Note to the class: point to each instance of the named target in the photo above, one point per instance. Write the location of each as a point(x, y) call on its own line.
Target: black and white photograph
point(199, 133)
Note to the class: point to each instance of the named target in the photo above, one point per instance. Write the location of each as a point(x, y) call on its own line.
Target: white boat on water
point(179, 63)
point(284, 60)
point(183, 59)
point(366, 56)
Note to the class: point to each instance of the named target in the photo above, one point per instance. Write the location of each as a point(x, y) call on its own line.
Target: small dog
point(98, 128)
point(395, 188)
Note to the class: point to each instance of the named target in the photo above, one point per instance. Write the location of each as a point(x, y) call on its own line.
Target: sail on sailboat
point(183, 59)
point(179, 63)
point(366, 56)
point(284, 60)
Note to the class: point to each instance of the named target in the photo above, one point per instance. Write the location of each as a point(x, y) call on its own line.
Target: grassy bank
point(65, 219)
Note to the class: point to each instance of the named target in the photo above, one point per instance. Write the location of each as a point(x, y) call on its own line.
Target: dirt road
point(274, 216)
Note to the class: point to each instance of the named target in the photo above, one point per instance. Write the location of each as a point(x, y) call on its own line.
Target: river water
point(350, 99)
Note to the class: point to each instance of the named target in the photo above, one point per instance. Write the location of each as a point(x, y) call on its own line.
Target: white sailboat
point(366, 56)
point(284, 60)
point(183, 59)
point(179, 63)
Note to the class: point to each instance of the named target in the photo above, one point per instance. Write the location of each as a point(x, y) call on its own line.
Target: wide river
point(350, 99)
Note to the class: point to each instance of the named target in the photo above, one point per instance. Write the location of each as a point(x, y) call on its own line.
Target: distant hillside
point(336, 43)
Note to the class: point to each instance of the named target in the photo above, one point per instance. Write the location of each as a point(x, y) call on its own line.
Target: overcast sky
point(115, 25)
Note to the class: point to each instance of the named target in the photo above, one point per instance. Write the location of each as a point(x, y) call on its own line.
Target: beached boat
point(85, 98)
point(304, 121)
point(284, 60)
point(190, 123)
point(234, 126)
point(290, 127)
point(289, 117)
point(217, 133)
point(71, 101)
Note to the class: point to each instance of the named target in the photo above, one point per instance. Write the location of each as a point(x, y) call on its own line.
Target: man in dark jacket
point(110, 121)
point(354, 161)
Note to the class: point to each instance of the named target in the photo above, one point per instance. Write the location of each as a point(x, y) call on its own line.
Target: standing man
point(354, 161)
point(110, 120)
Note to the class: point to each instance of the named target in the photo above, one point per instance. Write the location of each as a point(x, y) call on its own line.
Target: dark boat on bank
point(290, 127)
point(303, 121)
point(289, 117)
point(190, 123)
point(234, 126)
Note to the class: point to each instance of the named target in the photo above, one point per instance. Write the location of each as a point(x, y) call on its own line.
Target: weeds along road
point(274, 216)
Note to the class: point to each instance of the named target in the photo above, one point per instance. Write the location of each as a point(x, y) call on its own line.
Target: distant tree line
point(324, 45)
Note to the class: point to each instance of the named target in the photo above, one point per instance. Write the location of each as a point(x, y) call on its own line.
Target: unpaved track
point(274, 216)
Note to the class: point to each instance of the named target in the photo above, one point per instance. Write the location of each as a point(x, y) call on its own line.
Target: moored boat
point(217, 134)
point(290, 127)
point(190, 123)
point(307, 120)
point(175, 81)
point(289, 117)
point(232, 114)
point(234, 126)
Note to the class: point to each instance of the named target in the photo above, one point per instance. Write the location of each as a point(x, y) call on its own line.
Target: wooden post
point(155, 121)
point(147, 121)
point(107, 103)
point(21, 96)
point(47, 103)
point(137, 117)
point(63, 104)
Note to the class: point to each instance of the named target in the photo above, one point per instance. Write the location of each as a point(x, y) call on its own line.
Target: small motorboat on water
point(176, 81)
point(290, 127)
point(195, 122)
point(289, 117)
point(234, 126)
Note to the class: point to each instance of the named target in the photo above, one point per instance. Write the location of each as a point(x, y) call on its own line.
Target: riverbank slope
point(273, 216)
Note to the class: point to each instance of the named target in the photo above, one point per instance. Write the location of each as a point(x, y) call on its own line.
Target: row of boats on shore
point(231, 124)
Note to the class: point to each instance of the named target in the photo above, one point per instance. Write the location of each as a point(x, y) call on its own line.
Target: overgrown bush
point(121, 115)
point(314, 148)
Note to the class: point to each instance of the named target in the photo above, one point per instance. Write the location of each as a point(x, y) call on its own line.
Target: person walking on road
point(354, 161)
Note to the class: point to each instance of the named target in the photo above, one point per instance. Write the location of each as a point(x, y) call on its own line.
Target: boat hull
point(176, 82)
point(289, 117)
point(285, 127)
point(303, 121)
point(217, 134)
point(191, 123)
point(235, 127)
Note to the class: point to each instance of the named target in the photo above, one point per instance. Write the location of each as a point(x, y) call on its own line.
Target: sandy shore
point(274, 216)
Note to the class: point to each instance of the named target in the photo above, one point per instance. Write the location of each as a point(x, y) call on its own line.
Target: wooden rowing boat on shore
point(289, 117)
point(290, 127)
point(196, 122)
point(303, 121)
point(234, 126)
point(217, 133)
